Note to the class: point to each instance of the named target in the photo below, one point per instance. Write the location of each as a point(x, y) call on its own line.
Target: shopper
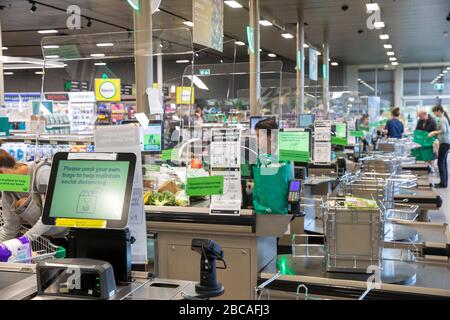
point(364, 126)
point(425, 123)
point(443, 135)
point(26, 208)
point(198, 116)
point(394, 127)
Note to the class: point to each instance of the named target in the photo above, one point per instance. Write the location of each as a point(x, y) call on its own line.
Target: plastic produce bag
point(270, 193)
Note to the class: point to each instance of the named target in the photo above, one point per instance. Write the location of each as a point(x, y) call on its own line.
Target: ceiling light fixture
point(233, 4)
point(33, 6)
point(287, 36)
point(390, 53)
point(240, 43)
point(182, 61)
point(4, 48)
point(54, 56)
point(50, 47)
point(384, 36)
point(392, 59)
point(47, 31)
point(272, 55)
point(265, 23)
point(334, 64)
point(188, 23)
point(8, 73)
point(38, 72)
point(100, 64)
point(105, 44)
point(305, 46)
point(395, 63)
point(97, 55)
point(388, 46)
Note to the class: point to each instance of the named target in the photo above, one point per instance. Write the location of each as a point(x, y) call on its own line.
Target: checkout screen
point(341, 130)
point(89, 189)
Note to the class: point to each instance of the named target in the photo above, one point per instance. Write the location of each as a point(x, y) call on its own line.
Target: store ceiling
point(416, 27)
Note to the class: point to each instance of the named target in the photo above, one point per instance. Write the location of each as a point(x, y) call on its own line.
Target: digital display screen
point(89, 189)
point(151, 138)
point(295, 186)
point(306, 120)
point(294, 146)
point(341, 130)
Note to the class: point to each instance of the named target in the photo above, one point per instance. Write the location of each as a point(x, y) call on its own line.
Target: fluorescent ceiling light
point(379, 25)
point(240, 43)
point(47, 31)
point(97, 55)
point(392, 59)
point(188, 23)
point(4, 48)
point(388, 46)
point(319, 53)
point(51, 47)
point(8, 73)
point(100, 64)
point(441, 75)
point(265, 23)
point(272, 55)
point(445, 71)
point(384, 36)
point(233, 4)
point(372, 6)
point(182, 61)
point(198, 83)
point(305, 46)
point(334, 64)
point(38, 72)
point(394, 63)
point(105, 44)
point(54, 56)
point(390, 53)
point(287, 36)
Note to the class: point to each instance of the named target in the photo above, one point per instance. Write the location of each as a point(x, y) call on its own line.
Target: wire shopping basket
point(42, 248)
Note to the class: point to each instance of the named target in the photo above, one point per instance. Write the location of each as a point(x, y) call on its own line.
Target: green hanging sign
point(134, 4)
point(251, 39)
point(14, 183)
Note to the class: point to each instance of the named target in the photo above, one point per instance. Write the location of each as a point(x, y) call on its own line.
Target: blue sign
point(12, 97)
point(313, 65)
point(30, 97)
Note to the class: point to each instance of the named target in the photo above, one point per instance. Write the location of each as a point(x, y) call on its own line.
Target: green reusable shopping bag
point(270, 193)
point(423, 154)
point(421, 137)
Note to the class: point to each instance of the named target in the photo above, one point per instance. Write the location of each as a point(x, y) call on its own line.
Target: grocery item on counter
point(170, 186)
point(161, 199)
point(182, 199)
point(16, 250)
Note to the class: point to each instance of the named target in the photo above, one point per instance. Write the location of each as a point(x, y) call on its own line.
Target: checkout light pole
point(300, 67)
point(253, 36)
point(143, 47)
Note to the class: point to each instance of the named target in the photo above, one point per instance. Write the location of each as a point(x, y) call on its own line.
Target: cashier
point(21, 208)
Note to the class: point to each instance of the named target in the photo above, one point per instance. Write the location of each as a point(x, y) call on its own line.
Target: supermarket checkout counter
point(249, 243)
point(19, 282)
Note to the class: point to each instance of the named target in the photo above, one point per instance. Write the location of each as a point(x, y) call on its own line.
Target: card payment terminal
point(294, 191)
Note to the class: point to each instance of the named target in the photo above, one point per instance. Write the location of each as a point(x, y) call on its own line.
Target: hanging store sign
point(107, 90)
point(30, 97)
point(82, 96)
point(76, 86)
point(313, 65)
point(208, 23)
point(185, 95)
point(12, 97)
point(57, 97)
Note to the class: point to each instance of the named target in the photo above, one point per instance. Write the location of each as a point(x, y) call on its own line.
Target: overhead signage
point(107, 90)
point(82, 96)
point(185, 95)
point(76, 86)
point(30, 97)
point(204, 72)
point(12, 97)
point(208, 23)
point(439, 86)
point(126, 89)
point(313, 65)
point(57, 97)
